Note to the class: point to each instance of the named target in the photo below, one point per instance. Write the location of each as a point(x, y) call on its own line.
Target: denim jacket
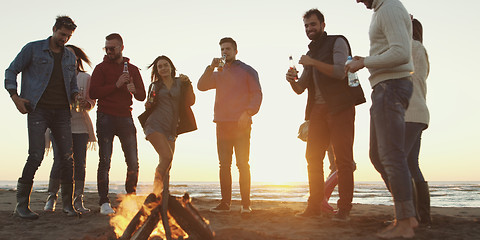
point(35, 62)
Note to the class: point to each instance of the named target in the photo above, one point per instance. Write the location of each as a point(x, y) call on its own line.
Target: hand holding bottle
point(352, 76)
point(123, 79)
point(222, 62)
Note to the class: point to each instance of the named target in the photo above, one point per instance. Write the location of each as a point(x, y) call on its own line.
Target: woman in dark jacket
point(168, 114)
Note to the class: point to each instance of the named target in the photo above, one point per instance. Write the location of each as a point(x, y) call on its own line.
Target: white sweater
point(417, 109)
point(81, 122)
point(390, 42)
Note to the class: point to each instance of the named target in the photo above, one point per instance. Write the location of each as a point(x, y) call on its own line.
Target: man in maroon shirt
point(113, 83)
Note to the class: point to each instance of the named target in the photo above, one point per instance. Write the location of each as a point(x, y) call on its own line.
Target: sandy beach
point(269, 220)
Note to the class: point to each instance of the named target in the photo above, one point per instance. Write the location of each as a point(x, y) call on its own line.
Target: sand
point(269, 220)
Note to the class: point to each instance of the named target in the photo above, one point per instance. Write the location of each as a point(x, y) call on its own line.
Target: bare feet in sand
point(399, 229)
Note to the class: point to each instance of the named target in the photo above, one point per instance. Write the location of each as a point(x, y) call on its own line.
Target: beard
point(114, 56)
point(315, 35)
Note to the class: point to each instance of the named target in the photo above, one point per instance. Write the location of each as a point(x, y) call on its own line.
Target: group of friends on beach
point(57, 93)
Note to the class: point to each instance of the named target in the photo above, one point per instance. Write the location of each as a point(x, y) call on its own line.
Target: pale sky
point(267, 32)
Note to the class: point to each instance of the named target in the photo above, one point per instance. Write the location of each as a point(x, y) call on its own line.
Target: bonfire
point(146, 218)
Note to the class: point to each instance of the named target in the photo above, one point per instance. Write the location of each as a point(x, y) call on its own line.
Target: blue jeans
point(80, 141)
point(108, 127)
point(230, 137)
point(58, 120)
point(413, 137)
point(390, 98)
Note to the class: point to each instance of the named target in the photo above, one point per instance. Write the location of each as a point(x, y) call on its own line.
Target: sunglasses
point(110, 48)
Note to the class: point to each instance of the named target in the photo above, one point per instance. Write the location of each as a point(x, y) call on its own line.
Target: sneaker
point(310, 212)
point(341, 216)
point(106, 209)
point(245, 210)
point(222, 207)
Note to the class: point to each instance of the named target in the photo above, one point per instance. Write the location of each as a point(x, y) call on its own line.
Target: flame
point(128, 208)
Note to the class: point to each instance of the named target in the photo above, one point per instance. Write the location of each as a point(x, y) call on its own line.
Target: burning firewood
point(146, 229)
point(188, 217)
point(186, 220)
point(148, 205)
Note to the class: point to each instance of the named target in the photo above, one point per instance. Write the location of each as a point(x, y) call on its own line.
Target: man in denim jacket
point(48, 87)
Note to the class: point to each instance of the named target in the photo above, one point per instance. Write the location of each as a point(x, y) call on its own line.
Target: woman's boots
point(67, 194)
point(67, 197)
point(53, 186)
point(78, 197)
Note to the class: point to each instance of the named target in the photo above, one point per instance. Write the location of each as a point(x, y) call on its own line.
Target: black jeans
point(108, 127)
point(58, 120)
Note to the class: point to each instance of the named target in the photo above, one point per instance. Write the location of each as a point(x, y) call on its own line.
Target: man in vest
point(330, 111)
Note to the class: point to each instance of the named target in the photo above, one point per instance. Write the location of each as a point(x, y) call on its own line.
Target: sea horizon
point(443, 193)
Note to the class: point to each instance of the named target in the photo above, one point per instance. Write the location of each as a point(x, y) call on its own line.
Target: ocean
point(443, 194)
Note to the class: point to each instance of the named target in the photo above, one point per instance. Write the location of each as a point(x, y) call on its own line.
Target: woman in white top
point(417, 119)
point(83, 137)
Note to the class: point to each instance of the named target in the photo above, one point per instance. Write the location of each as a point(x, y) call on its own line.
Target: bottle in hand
point(152, 94)
point(125, 67)
point(352, 77)
point(292, 66)
point(222, 62)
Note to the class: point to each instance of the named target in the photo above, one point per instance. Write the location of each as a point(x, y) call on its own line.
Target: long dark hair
point(417, 30)
point(81, 56)
point(155, 75)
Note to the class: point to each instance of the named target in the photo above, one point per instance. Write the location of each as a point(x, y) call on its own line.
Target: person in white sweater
point(416, 120)
point(83, 137)
point(390, 65)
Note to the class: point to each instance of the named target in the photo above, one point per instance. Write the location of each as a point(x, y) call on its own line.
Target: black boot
point(53, 186)
point(23, 201)
point(424, 203)
point(78, 200)
point(67, 194)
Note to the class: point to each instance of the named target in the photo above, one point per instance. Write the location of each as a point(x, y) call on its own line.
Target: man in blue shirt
point(238, 98)
point(49, 85)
